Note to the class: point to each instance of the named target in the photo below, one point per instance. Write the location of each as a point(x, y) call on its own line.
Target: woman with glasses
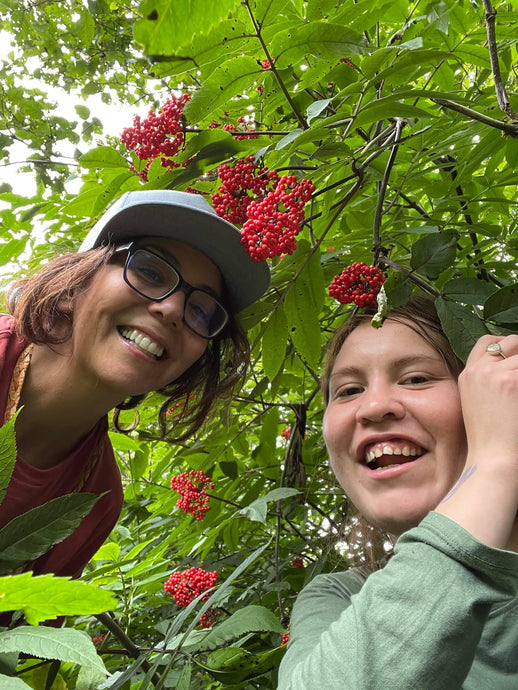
point(147, 304)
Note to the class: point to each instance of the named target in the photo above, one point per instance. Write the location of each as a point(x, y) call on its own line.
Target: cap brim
point(245, 280)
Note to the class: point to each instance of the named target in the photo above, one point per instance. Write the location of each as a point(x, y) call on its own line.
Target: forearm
point(484, 502)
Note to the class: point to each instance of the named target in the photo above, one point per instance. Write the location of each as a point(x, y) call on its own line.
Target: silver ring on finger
point(495, 349)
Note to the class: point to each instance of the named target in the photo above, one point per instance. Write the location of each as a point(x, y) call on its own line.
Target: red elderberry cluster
point(357, 283)
point(275, 221)
point(285, 638)
point(192, 487)
point(240, 185)
point(186, 585)
point(98, 639)
point(161, 134)
point(286, 433)
point(297, 562)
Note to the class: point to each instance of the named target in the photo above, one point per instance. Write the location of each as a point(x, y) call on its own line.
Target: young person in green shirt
point(427, 450)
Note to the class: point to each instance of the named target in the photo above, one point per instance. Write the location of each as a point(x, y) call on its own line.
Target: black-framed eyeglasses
point(152, 277)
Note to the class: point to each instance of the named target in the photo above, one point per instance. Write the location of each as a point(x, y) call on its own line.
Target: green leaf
point(82, 111)
point(234, 664)
point(168, 25)
point(374, 112)
point(45, 597)
point(65, 644)
point(10, 683)
point(502, 305)
point(257, 510)
point(225, 83)
point(469, 290)
point(316, 108)
point(302, 306)
point(274, 339)
point(322, 40)
point(248, 619)
point(7, 454)
point(461, 326)
point(103, 157)
point(433, 254)
point(30, 535)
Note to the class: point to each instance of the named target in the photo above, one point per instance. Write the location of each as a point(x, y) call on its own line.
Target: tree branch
point(501, 93)
point(378, 214)
point(302, 122)
point(510, 128)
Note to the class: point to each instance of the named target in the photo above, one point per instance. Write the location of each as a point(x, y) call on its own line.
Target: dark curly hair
point(43, 307)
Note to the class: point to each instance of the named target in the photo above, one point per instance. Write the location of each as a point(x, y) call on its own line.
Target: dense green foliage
point(412, 145)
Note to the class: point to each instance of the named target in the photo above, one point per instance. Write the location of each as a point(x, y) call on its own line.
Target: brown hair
point(43, 307)
point(419, 314)
point(367, 542)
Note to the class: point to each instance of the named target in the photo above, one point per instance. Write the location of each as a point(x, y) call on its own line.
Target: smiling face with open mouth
point(128, 345)
point(393, 425)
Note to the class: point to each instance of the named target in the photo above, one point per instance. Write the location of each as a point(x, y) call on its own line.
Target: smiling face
point(393, 426)
point(129, 345)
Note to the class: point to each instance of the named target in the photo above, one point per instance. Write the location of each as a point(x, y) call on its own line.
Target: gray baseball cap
point(187, 218)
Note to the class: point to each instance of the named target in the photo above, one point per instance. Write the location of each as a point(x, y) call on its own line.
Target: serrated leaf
point(316, 108)
point(233, 664)
point(45, 597)
point(248, 619)
point(469, 290)
point(323, 40)
point(65, 644)
point(103, 157)
point(460, 325)
point(7, 455)
point(225, 83)
point(30, 535)
point(302, 306)
point(434, 253)
point(500, 305)
point(257, 510)
point(168, 25)
point(274, 339)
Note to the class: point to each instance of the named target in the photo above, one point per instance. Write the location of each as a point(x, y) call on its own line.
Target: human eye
point(349, 390)
point(201, 308)
point(416, 379)
point(150, 271)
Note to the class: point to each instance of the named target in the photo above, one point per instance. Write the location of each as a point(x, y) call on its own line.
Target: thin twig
point(378, 214)
point(501, 93)
point(510, 128)
point(273, 69)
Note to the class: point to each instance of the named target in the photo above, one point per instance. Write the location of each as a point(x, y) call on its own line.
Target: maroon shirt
point(30, 486)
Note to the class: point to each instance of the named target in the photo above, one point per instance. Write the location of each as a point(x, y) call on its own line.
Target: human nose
point(171, 309)
point(379, 402)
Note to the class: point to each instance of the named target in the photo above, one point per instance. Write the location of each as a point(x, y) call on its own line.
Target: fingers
point(497, 348)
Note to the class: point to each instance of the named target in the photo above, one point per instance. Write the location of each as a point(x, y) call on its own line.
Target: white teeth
point(142, 342)
point(376, 452)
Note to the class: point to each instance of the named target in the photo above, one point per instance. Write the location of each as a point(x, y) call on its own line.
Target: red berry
point(186, 585)
point(297, 562)
point(192, 487)
point(357, 283)
point(159, 135)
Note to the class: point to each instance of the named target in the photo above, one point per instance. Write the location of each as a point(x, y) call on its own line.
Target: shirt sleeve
point(414, 624)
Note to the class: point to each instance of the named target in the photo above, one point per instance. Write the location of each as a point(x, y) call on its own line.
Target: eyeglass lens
point(154, 278)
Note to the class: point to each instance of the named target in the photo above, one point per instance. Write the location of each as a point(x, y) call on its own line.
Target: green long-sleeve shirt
point(441, 615)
